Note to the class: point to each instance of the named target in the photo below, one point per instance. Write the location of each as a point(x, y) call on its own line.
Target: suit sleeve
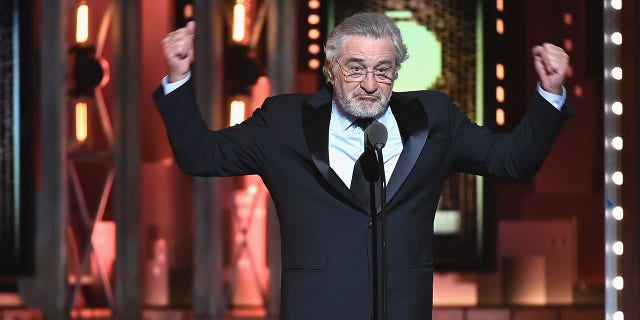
point(237, 150)
point(515, 155)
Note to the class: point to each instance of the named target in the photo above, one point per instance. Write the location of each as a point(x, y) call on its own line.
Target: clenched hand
point(551, 63)
point(177, 47)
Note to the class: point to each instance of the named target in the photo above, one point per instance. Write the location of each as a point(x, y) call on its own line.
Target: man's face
point(367, 96)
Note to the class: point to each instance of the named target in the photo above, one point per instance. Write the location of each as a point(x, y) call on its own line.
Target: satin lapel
point(316, 115)
point(414, 127)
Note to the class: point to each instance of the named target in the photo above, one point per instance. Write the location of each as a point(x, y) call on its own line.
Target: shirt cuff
point(556, 100)
point(170, 86)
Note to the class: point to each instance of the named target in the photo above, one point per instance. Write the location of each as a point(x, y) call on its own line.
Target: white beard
point(362, 109)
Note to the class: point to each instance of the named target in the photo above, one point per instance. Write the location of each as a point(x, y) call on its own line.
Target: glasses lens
point(357, 73)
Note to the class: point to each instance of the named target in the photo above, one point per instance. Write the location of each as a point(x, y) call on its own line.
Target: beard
point(350, 104)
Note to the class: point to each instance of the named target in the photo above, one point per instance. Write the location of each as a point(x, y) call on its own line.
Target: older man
point(305, 147)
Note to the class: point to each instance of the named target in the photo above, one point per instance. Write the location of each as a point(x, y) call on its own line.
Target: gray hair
point(367, 24)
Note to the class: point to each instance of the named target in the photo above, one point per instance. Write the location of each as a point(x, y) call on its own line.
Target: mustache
point(376, 94)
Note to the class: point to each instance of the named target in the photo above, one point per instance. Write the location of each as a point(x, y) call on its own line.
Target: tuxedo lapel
point(414, 128)
point(316, 115)
point(412, 122)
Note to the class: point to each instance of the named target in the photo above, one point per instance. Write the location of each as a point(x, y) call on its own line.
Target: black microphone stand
point(383, 227)
point(374, 248)
point(379, 134)
point(374, 238)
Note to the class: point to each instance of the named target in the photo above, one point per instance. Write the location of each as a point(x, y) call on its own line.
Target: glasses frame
point(379, 78)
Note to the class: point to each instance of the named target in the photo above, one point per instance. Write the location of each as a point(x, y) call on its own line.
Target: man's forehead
point(367, 49)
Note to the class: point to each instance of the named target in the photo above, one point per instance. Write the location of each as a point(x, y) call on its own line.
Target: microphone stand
point(383, 225)
point(376, 138)
point(374, 249)
point(374, 238)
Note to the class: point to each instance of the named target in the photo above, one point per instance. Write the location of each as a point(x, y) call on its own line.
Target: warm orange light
point(82, 23)
point(500, 71)
point(500, 5)
point(500, 94)
point(236, 115)
point(81, 121)
point(313, 19)
point(500, 117)
point(314, 48)
point(314, 4)
point(568, 18)
point(500, 26)
point(314, 34)
point(239, 15)
point(314, 64)
point(569, 71)
point(577, 90)
point(187, 11)
point(568, 45)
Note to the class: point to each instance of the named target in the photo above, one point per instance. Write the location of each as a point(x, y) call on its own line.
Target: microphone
point(376, 135)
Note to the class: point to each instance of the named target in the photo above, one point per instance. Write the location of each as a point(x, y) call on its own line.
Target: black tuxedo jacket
point(326, 251)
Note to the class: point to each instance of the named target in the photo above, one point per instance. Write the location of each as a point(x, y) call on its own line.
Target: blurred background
point(97, 221)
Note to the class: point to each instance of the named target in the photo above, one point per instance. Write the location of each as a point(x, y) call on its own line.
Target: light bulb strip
point(612, 76)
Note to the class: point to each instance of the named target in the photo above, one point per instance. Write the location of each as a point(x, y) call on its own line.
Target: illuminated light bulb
point(616, 38)
point(577, 90)
point(500, 5)
point(568, 18)
point(237, 34)
point(500, 71)
point(82, 127)
point(616, 4)
point(314, 34)
point(616, 73)
point(500, 26)
point(616, 143)
point(617, 213)
point(500, 94)
point(82, 23)
point(313, 19)
point(617, 178)
point(616, 107)
point(237, 112)
point(618, 315)
point(314, 64)
point(314, 48)
point(618, 283)
point(569, 71)
point(500, 117)
point(618, 248)
point(568, 45)
point(187, 11)
point(314, 4)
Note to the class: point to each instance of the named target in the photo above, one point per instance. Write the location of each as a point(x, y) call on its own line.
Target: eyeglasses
point(355, 72)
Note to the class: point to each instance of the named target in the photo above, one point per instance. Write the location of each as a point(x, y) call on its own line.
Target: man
point(305, 146)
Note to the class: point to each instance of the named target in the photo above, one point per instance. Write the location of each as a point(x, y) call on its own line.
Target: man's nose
point(369, 83)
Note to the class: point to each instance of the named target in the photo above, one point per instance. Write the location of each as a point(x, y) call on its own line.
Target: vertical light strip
point(480, 120)
point(239, 16)
point(613, 280)
point(82, 23)
point(17, 174)
point(499, 94)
